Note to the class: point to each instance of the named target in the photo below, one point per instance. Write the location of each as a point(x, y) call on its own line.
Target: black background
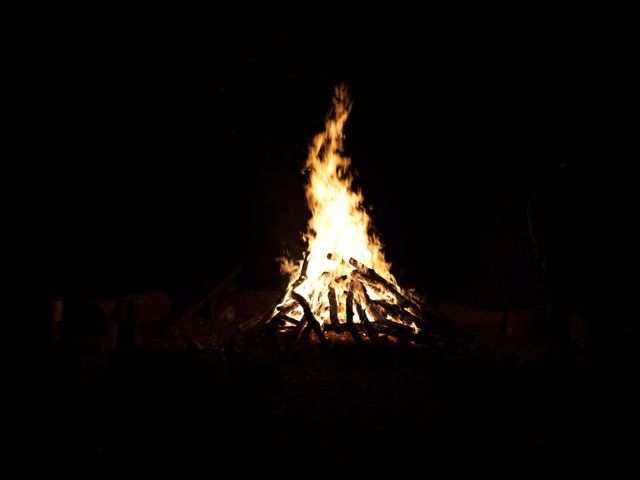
point(158, 147)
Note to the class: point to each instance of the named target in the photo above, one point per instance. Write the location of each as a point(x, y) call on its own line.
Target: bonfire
point(342, 285)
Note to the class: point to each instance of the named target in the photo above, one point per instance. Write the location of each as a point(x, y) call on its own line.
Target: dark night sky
point(157, 146)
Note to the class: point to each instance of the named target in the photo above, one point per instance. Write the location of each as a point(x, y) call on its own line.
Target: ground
point(172, 408)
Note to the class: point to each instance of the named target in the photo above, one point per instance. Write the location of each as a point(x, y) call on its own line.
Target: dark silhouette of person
point(567, 228)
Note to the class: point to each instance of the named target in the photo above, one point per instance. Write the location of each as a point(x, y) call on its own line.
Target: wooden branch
point(274, 323)
point(308, 314)
point(395, 328)
point(371, 332)
point(284, 309)
point(305, 264)
point(333, 307)
point(371, 275)
point(373, 308)
point(377, 308)
point(290, 319)
point(398, 312)
point(349, 312)
point(330, 327)
point(297, 333)
point(306, 331)
point(303, 272)
point(267, 318)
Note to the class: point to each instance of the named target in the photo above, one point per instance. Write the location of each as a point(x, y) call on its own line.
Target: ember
point(344, 283)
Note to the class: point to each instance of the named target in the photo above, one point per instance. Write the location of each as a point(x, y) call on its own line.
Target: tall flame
point(339, 228)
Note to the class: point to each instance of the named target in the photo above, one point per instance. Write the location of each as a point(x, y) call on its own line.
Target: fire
point(343, 255)
point(339, 223)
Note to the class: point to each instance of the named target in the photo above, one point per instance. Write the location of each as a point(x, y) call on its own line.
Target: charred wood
point(371, 332)
point(349, 316)
point(308, 315)
point(333, 307)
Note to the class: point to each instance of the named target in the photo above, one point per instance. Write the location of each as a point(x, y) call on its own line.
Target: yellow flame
point(339, 227)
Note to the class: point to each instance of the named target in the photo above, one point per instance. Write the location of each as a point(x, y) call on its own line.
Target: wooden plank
point(371, 332)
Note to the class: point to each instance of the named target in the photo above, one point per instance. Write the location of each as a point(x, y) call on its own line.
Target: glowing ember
point(344, 279)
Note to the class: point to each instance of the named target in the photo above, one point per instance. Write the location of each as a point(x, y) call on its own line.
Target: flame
point(339, 228)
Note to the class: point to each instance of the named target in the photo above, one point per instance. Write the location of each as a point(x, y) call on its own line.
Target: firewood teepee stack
point(343, 286)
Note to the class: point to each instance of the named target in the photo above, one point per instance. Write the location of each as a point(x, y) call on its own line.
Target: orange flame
point(339, 227)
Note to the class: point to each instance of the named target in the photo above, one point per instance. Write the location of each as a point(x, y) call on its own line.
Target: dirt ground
point(185, 406)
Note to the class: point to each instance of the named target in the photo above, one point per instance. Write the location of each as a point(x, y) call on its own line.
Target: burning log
point(298, 333)
point(308, 315)
point(291, 320)
point(379, 316)
point(284, 309)
point(396, 311)
point(372, 276)
point(394, 328)
point(333, 307)
point(351, 327)
point(303, 272)
point(269, 318)
point(371, 332)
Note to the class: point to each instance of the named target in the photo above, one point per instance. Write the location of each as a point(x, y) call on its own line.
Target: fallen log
point(297, 333)
point(373, 276)
point(396, 311)
point(303, 272)
point(373, 308)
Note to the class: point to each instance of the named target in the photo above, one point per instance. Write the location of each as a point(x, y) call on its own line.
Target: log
point(373, 308)
point(372, 275)
point(304, 335)
point(394, 328)
point(371, 332)
point(297, 333)
point(369, 274)
point(305, 264)
point(349, 313)
point(277, 322)
point(333, 307)
point(330, 327)
point(289, 319)
point(308, 314)
point(398, 312)
point(267, 318)
point(425, 310)
point(284, 309)
point(303, 271)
